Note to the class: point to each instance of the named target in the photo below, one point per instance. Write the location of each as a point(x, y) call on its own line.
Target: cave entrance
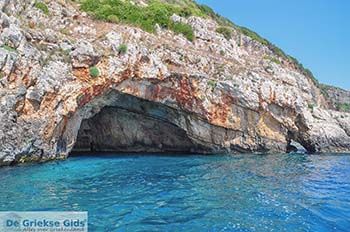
point(130, 124)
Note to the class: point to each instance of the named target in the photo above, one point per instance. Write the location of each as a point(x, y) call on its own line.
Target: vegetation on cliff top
point(225, 31)
point(156, 12)
point(160, 11)
point(345, 107)
point(337, 104)
point(225, 24)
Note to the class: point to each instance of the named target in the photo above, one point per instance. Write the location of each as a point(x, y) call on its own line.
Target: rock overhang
point(246, 101)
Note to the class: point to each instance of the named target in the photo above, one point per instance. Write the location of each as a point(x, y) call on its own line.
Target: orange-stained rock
point(208, 95)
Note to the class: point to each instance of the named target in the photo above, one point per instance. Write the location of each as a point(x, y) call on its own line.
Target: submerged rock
point(158, 92)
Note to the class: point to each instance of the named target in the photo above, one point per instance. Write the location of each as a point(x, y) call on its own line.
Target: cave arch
point(116, 129)
point(118, 122)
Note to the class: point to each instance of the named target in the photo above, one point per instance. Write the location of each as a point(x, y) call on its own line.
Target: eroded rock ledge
point(164, 94)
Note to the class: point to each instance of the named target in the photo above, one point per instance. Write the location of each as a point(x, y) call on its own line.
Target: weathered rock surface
point(338, 98)
point(164, 94)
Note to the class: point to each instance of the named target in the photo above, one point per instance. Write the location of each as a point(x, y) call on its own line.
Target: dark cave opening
point(297, 144)
point(128, 124)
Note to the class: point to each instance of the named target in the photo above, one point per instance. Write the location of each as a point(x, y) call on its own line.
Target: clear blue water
point(286, 192)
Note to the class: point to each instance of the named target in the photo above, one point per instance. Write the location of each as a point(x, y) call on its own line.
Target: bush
point(311, 106)
point(212, 84)
point(8, 48)
point(42, 6)
point(65, 31)
point(184, 29)
point(343, 107)
point(113, 19)
point(304, 70)
point(122, 49)
point(225, 31)
point(207, 10)
point(253, 35)
point(94, 72)
point(146, 18)
point(324, 90)
point(186, 12)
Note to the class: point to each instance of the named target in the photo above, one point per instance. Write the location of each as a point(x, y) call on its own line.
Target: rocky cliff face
point(66, 82)
point(338, 99)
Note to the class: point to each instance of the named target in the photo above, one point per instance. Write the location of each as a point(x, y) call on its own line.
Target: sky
point(316, 32)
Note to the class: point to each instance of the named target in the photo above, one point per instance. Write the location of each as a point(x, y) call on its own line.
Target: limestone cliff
point(66, 76)
point(338, 99)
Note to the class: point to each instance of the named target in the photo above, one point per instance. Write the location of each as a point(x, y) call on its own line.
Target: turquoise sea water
point(282, 192)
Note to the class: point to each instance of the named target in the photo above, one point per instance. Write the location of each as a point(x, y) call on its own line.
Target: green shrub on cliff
point(209, 12)
point(184, 29)
point(113, 19)
point(225, 31)
point(8, 48)
point(304, 70)
point(122, 49)
point(156, 12)
point(94, 72)
point(42, 6)
point(311, 106)
point(343, 107)
point(212, 84)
